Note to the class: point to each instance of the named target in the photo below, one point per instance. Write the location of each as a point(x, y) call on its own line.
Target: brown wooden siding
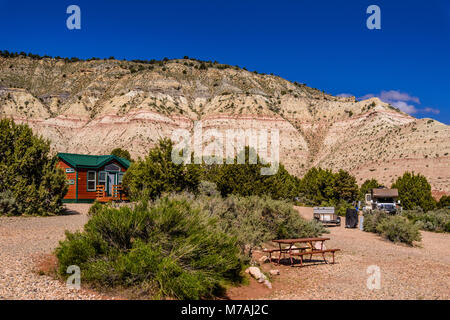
point(71, 193)
point(82, 185)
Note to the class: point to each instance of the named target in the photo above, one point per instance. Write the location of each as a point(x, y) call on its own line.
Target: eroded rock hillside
point(95, 106)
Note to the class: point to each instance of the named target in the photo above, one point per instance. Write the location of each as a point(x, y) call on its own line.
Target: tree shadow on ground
point(69, 212)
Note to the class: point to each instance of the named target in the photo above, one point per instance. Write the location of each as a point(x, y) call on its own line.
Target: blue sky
point(324, 44)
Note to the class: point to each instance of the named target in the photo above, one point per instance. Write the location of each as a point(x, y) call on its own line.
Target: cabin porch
point(116, 195)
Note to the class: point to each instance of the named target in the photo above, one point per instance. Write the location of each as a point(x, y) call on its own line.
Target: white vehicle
point(327, 216)
point(382, 199)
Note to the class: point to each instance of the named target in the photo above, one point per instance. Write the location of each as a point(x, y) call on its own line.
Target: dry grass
point(46, 264)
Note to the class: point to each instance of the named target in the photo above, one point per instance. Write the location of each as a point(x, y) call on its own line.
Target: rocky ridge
point(97, 105)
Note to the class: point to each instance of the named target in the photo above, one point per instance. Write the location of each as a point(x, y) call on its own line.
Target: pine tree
point(414, 191)
point(28, 173)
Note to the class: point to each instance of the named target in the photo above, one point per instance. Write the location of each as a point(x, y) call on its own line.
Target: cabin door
point(111, 182)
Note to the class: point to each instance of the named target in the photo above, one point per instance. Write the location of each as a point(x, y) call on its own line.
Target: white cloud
point(395, 95)
point(431, 110)
point(367, 96)
point(403, 106)
point(345, 95)
point(401, 100)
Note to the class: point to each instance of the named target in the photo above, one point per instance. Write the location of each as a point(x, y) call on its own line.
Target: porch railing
point(117, 194)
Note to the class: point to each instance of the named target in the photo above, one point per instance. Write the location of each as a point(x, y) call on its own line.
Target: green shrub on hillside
point(164, 248)
point(30, 182)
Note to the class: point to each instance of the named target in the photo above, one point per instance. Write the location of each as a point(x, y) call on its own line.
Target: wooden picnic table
point(291, 250)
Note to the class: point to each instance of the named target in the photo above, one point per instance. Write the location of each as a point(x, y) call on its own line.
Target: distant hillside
point(97, 105)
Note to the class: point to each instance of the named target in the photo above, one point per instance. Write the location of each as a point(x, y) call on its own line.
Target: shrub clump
point(208, 188)
point(414, 191)
point(8, 203)
point(157, 174)
point(95, 208)
point(371, 220)
point(435, 220)
point(323, 186)
point(255, 220)
point(393, 228)
point(162, 248)
point(30, 181)
point(399, 229)
point(246, 175)
point(444, 202)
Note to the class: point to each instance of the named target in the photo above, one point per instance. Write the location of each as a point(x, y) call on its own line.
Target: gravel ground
point(23, 241)
point(406, 272)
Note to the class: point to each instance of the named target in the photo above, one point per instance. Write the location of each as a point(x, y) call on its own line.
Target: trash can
point(351, 218)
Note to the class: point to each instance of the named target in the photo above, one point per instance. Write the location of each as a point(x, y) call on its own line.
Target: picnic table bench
point(300, 252)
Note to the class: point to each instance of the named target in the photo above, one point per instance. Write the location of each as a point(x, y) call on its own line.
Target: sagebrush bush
point(208, 188)
point(169, 247)
point(371, 220)
point(96, 207)
point(399, 229)
point(435, 220)
point(394, 228)
point(8, 203)
point(447, 227)
point(255, 220)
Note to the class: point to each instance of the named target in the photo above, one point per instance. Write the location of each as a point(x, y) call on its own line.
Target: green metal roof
point(91, 162)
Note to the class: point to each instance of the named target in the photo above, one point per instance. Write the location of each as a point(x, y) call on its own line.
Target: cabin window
point(70, 170)
point(91, 186)
point(120, 178)
point(71, 181)
point(102, 178)
point(112, 167)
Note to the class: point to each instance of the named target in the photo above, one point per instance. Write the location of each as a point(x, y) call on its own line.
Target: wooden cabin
point(93, 177)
